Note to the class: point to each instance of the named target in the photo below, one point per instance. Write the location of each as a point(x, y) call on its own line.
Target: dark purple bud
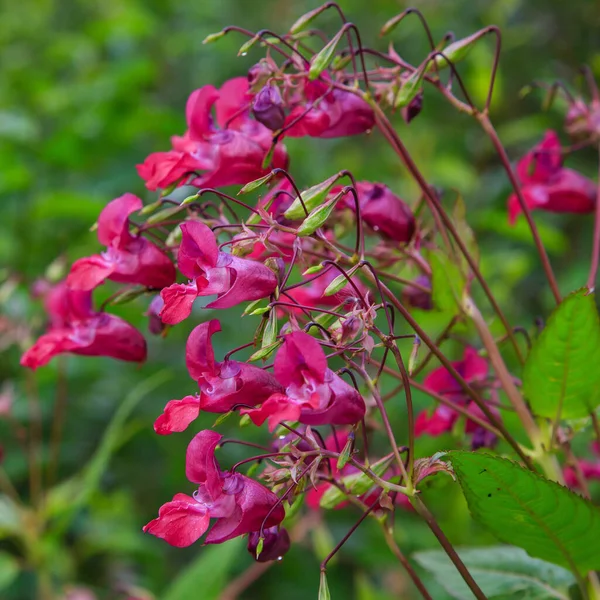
point(276, 542)
point(268, 108)
point(416, 297)
point(413, 109)
point(155, 324)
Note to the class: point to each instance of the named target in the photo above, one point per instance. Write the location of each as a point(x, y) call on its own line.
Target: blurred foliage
point(87, 90)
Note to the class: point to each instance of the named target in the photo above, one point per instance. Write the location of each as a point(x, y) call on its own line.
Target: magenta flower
point(589, 469)
point(223, 385)
point(128, 258)
point(383, 211)
point(229, 154)
point(210, 272)
point(547, 185)
point(333, 113)
point(76, 329)
point(239, 504)
point(314, 394)
point(473, 370)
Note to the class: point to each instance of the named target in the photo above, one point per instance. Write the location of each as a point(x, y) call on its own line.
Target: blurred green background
point(87, 90)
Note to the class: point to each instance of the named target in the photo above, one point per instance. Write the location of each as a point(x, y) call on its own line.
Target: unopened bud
point(268, 108)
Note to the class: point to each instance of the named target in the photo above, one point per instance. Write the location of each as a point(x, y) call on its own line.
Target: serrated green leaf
point(447, 283)
point(499, 571)
point(207, 575)
point(561, 375)
point(520, 507)
point(357, 484)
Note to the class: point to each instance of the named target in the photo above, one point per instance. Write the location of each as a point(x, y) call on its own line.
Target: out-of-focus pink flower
point(331, 114)
point(222, 385)
point(547, 185)
point(128, 258)
point(229, 152)
point(383, 211)
point(473, 369)
point(231, 279)
point(416, 297)
point(76, 329)
point(314, 394)
point(238, 504)
point(590, 469)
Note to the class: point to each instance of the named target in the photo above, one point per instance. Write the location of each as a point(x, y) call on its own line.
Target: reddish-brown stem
point(493, 135)
point(426, 514)
point(438, 342)
point(436, 208)
point(393, 546)
point(591, 282)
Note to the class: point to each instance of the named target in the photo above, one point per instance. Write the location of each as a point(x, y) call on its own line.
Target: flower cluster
point(325, 271)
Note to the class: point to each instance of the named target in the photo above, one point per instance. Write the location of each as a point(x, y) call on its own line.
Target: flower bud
point(413, 109)
point(275, 543)
point(418, 298)
point(268, 108)
point(155, 324)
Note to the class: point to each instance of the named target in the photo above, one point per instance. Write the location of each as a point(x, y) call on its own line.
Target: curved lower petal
point(89, 272)
point(179, 299)
point(276, 409)
point(180, 522)
point(47, 347)
point(177, 415)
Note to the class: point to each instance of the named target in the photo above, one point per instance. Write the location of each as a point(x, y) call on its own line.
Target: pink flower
point(223, 385)
point(331, 114)
point(473, 370)
point(210, 272)
point(76, 329)
point(128, 258)
point(383, 211)
point(547, 185)
point(229, 154)
point(589, 469)
point(314, 394)
point(239, 504)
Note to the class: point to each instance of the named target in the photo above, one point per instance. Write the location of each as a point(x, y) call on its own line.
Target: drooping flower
point(327, 113)
point(128, 258)
point(314, 394)
point(210, 272)
point(223, 385)
point(276, 542)
point(229, 152)
point(473, 369)
point(238, 504)
point(547, 185)
point(76, 328)
point(383, 211)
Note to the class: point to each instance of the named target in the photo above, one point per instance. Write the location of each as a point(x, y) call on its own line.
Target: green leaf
point(520, 507)
point(9, 569)
point(498, 570)
point(357, 484)
point(561, 375)
point(207, 576)
point(447, 283)
point(10, 518)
